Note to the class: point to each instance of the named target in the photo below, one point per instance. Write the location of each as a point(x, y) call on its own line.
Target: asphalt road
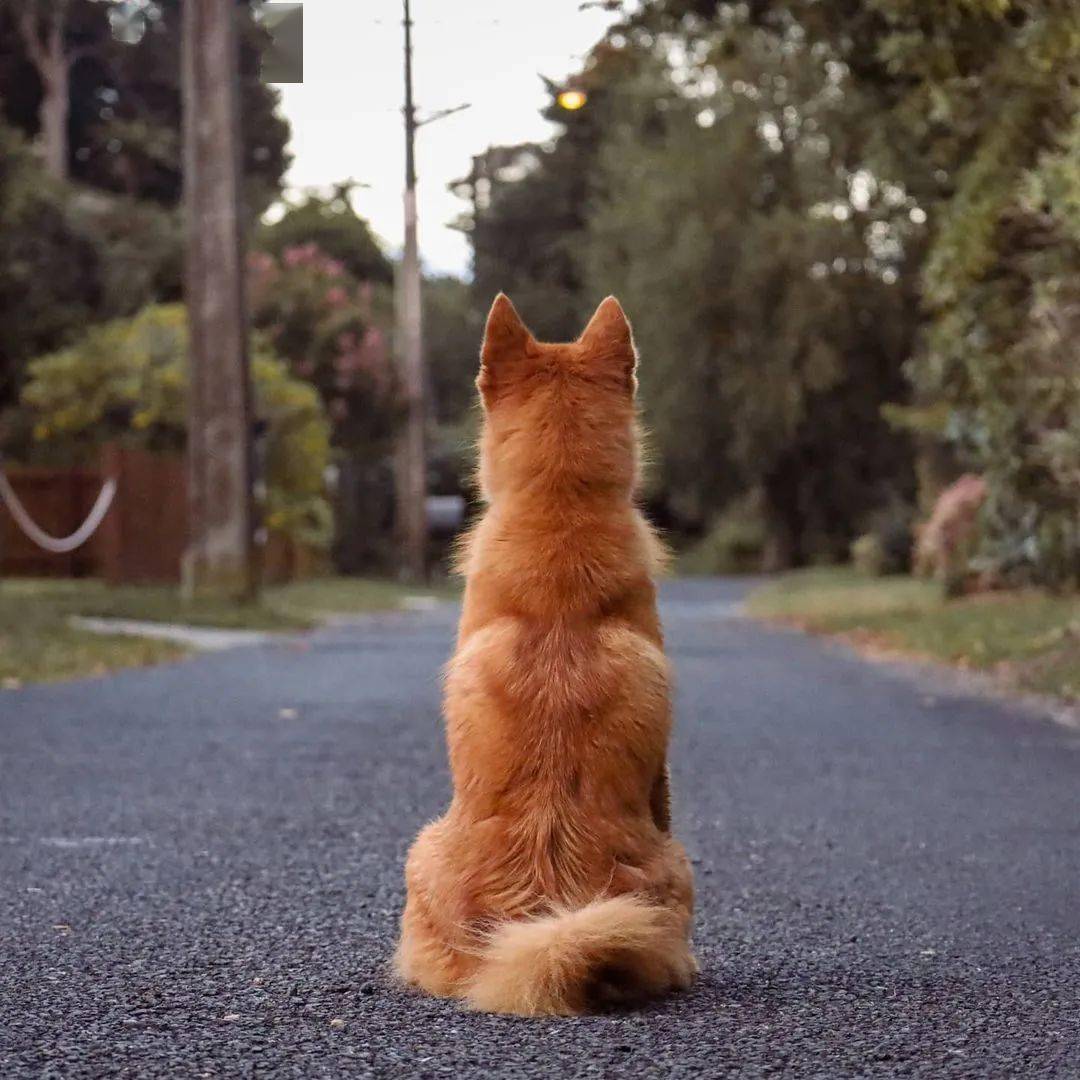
point(200, 870)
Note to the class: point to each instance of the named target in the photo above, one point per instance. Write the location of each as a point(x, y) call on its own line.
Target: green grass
point(38, 644)
point(319, 597)
point(1030, 638)
point(161, 603)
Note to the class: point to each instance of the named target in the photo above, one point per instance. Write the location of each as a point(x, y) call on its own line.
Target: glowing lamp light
point(572, 100)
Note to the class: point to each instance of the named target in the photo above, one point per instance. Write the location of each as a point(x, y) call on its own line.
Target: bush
point(140, 249)
point(330, 328)
point(885, 548)
point(335, 229)
point(1003, 288)
point(128, 379)
point(868, 555)
point(894, 529)
point(49, 287)
point(69, 257)
point(734, 544)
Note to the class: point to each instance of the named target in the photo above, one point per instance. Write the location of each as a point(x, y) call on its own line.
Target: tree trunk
point(55, 107)
point(220, 555)
point(53, 65)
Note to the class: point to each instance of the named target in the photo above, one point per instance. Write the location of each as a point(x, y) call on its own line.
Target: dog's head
point(558, 416)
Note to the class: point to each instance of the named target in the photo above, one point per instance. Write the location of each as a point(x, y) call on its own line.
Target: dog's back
point(552, 885)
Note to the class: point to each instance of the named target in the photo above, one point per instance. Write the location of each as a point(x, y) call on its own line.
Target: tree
point(452, 342)
point(99, 83)
point(992, 95)
point(332, 329)
point(44, 32)
point(454, 326)
point(50, 273)
point(764, 265)
point(723, 188)
point(529, 205)
point(333, 226)
point(68, 259)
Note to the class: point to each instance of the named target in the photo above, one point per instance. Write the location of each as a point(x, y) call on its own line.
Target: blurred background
point(847, 235)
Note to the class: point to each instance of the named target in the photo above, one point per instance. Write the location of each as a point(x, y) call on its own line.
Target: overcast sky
point(346, 118)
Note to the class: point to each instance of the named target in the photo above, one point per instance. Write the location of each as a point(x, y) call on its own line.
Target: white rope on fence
point(58, 545)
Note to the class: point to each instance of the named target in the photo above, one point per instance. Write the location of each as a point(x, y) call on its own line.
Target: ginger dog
point(552, 885)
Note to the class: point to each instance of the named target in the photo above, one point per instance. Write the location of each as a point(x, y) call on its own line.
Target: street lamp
point(571, 100)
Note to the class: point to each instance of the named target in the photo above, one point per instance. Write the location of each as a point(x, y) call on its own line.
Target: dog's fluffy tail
point(610, 952)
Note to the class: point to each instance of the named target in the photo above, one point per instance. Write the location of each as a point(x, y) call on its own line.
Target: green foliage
point(1000, 277)
point(891, 525)
point(453, 327)
point(110, 242)
point(886, 548)
point(867, 555)
point(140, 250)
point(124, 129)
point(49, 267)
point(527, 210)
point(330, 330)
point(792, 200)
point(735, 544)
point(530, 204)
point(765, 271)
point(69, 257)
point(334, 227)
point(296, 453)
point(128, 379)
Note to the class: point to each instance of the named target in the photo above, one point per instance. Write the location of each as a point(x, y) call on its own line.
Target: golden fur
point(552, 885)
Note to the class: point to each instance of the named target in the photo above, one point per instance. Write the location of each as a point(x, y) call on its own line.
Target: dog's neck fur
point(558, 560)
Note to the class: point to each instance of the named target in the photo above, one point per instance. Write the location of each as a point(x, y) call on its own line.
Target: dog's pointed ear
point(506, 337)
point(609, 340)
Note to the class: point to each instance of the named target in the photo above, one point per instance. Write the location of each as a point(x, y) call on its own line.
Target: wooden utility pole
point(220, 554)
point(412, 449)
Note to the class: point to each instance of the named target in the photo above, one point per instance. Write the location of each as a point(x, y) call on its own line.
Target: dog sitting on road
point(553, 885)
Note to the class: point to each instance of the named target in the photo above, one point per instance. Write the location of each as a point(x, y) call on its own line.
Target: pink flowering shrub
point(332, 330)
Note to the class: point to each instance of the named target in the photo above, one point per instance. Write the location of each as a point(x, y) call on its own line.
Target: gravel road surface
point(200, 870)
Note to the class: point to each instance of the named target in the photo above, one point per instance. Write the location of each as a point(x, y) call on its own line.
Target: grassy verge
point(319, 597)
point(1030, 639)
point(38, 644)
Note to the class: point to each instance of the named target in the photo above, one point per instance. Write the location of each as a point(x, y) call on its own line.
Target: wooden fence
point(143, 536)
point(58, 500)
